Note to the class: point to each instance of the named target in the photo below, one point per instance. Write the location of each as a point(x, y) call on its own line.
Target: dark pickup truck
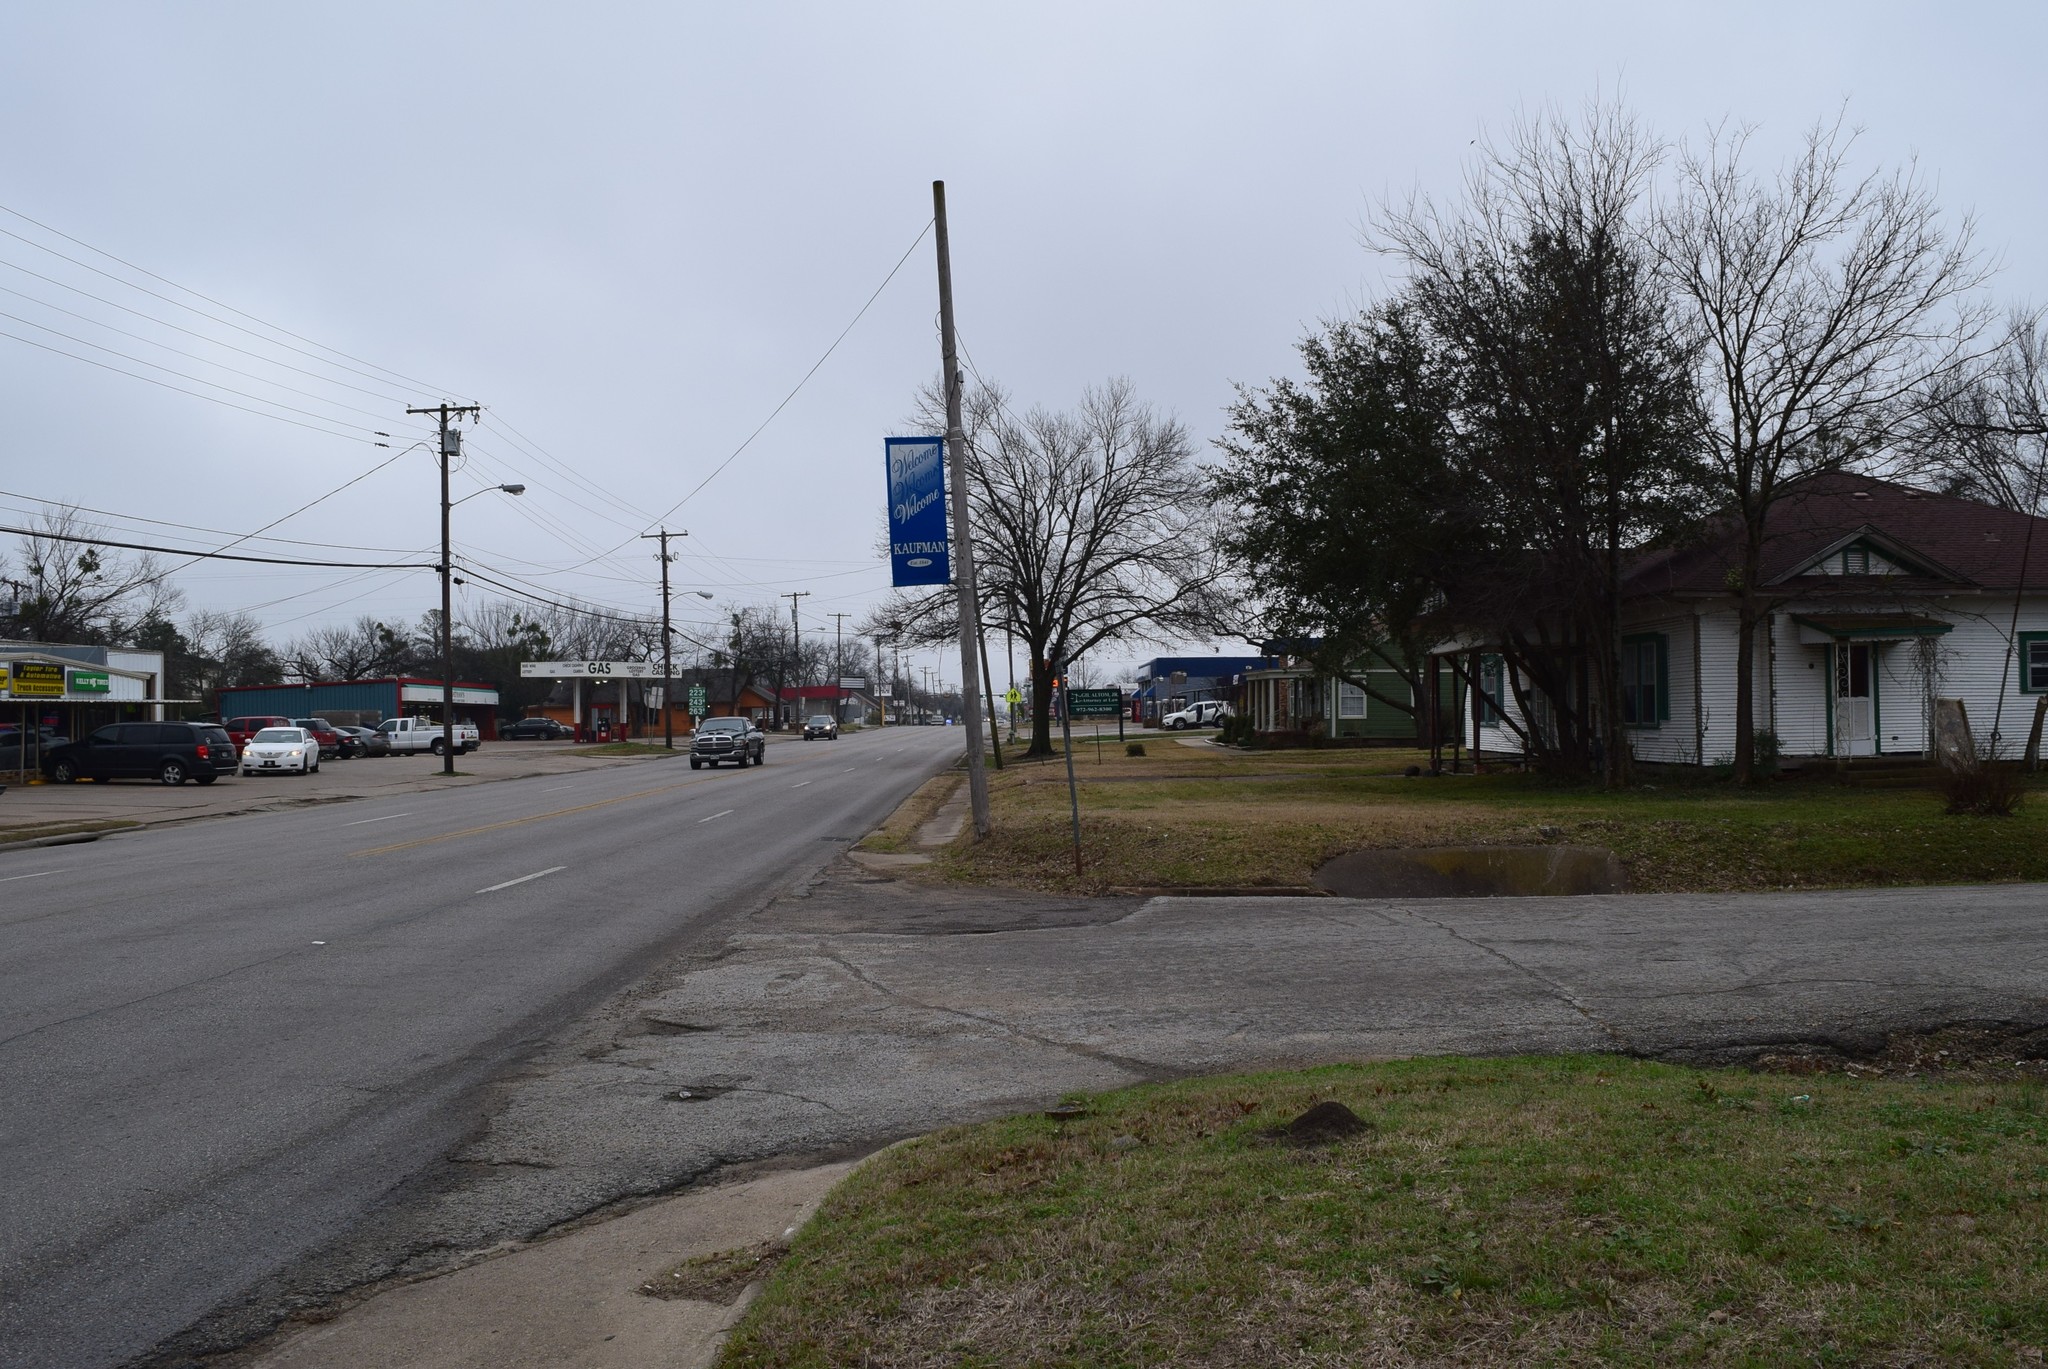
point(727, 739)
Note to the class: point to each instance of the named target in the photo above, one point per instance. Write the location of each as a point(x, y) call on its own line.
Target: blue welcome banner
point(918, 550)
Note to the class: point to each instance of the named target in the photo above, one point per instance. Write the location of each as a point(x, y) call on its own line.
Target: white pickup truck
point(410, 736)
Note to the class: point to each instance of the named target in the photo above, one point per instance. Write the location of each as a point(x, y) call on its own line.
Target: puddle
point(1473, 872)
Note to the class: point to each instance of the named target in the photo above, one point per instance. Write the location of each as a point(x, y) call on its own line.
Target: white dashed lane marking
point(552, 869)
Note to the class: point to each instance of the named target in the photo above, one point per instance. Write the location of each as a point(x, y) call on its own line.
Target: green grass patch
point(1196, 816)
point(1496, 1212)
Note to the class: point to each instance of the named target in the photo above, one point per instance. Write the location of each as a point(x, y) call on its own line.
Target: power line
point(49, 536)
point(822, 359)
point(421, 385)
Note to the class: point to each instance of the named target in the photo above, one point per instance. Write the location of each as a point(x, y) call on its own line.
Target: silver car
point(280, 751)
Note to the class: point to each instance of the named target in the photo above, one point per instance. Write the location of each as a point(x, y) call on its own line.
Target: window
point(1645, 680)
point(1493, 685)
point(1856, 560)
point(2034, 662)
point(1350, 700)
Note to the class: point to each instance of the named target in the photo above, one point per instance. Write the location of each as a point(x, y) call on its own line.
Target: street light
point(448, 605)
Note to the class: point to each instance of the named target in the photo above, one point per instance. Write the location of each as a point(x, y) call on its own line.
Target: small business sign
point(698, 700)
point(89, 682)
point(918, 550)
point(857, 683)
point(1094, 703)
point(36, 680)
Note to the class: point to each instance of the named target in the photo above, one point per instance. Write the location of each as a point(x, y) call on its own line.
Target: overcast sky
point(630, 231)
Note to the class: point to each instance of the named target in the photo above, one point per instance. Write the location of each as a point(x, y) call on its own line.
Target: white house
point(1883, 598)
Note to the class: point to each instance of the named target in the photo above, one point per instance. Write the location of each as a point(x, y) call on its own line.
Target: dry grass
point(719, 1277)
point(1505, 1212)
point(899, 830)
point(1190, 817)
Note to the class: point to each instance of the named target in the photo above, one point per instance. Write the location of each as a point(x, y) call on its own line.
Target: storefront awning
point(1816, 629)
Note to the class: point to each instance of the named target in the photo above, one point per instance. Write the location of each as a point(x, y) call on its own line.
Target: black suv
point(168, 752)
point(727, 739)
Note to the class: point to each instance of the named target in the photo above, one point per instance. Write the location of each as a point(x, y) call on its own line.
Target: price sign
point(698, 700)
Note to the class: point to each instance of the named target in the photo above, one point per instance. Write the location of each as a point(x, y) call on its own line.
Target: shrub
point(1134, 748)
point(1986, 789)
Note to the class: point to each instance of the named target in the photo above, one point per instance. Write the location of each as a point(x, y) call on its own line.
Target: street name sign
point(918, 551)
point(1094, 703)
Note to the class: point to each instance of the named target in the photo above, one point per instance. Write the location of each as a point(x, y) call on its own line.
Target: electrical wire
point(45, 535)
point(412, 381)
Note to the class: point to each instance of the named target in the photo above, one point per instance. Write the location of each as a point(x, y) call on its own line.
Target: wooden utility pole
point(451, 444)
point(963, 536)
point(796, 641)
point(839, 664)
point(668, 670)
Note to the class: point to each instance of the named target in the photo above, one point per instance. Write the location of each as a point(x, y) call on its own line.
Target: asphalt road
point(221, 1045)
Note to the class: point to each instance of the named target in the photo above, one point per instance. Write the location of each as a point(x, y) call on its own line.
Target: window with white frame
point(1643, 696)
point(2034, 662)
point(1350, 700)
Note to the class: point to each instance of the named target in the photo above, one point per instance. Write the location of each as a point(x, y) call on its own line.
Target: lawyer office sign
point(918, 551)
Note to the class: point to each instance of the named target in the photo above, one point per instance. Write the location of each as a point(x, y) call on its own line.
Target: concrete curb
point(64, 839)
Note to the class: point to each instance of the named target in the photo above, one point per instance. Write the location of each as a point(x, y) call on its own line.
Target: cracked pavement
point(856, 1009)
point(860, 1009)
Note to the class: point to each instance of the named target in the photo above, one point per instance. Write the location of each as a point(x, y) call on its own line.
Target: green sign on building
point(1094, 703)
point(89, 682)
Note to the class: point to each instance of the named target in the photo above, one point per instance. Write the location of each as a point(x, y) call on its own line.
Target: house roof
point(1939, 541)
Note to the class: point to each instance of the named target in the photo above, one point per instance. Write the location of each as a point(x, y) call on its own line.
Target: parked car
point(824, 726)
point(535, 730)
point(718, 740)
point(410, 736)
point(366, 741)
point(1207, 713)
point(281, 751)
point(239, 730)
point(325, 733)
point(167, 752)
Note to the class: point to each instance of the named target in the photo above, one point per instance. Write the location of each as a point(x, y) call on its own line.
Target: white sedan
point(280, 750)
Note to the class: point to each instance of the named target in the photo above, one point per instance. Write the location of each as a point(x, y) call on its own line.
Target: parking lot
point(29, 809)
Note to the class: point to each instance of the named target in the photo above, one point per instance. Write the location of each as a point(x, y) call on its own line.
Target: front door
point(1855, 700)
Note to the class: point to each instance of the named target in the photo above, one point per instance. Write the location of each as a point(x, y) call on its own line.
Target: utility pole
point(451, 445)
point(963, 537)
point(838, 664)
point(796, 639)
point(668, 670)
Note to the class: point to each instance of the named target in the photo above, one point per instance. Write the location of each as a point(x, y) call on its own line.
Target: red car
point(332, 743)
point(241, 729)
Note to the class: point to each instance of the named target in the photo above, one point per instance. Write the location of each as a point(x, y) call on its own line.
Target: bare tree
point(1823, 306)
point(366, 649)
point(69, 587)
point(1091, 527)
point(1984, 435)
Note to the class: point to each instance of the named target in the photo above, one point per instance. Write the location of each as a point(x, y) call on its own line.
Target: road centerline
point(551, 870)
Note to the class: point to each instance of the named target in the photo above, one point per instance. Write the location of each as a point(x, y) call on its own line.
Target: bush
point(1134, 748)
point(1986, 789)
